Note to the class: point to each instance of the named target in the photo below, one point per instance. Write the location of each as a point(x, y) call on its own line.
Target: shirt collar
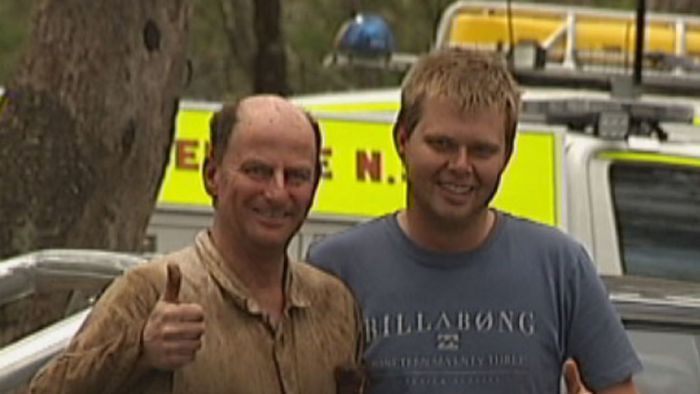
point(296, 293)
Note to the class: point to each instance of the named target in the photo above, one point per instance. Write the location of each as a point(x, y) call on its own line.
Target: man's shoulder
point(353, 237)
point(538, 234)
point(340, 252)
point(546, 245)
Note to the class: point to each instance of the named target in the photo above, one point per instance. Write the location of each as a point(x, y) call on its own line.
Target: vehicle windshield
point(657, 208)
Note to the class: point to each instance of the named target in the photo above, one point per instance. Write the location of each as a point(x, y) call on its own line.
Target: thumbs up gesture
point(173, 333)
point(572, 377)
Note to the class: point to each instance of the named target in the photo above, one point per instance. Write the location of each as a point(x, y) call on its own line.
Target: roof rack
point(575, 38)
point(615, 119)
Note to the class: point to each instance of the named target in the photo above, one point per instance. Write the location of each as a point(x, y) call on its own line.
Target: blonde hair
point(473, 80)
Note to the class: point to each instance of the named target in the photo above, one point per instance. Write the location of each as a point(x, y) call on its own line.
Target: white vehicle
point(619, 173)
point(661, 317)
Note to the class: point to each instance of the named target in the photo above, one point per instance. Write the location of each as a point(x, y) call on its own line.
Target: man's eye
point(298, 177)
point(258, 171)
point(484, 150)
point(441, 143)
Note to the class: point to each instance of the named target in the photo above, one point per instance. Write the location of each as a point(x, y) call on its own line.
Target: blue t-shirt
point(499, 319)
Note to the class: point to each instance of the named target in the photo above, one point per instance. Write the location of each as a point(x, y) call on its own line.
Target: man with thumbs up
point(173, 332)
point(230, 314)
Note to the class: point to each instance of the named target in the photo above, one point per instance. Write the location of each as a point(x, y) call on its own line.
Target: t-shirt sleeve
point(596, 339)
point(326, 254)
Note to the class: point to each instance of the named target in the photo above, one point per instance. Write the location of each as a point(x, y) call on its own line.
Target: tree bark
point(270, 59)
point(238, 30)
point(87, 122)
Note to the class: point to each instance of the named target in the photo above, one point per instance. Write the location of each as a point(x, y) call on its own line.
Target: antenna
point(355, 7)
point(639, 44)
point(511, 35)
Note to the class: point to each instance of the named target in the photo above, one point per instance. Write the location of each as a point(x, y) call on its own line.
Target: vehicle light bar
point(607, 118)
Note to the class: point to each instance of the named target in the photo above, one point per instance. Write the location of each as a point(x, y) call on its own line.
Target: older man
point(230, 314)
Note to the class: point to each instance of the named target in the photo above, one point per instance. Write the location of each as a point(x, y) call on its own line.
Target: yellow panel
point(530, 185)
point(604, 32)
point(621, 35)
point(366, 177)
point(661, 38)
point(480, 29)
point(650, 158)
point(363, 175)
point(604, 35)
point(692, 43)
point(183, 180)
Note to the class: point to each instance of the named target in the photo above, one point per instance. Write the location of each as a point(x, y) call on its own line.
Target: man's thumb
point(172, 285)
point(572, 377)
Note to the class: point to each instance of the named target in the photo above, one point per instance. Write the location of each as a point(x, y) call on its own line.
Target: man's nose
point(459, 161)
point(275, 188)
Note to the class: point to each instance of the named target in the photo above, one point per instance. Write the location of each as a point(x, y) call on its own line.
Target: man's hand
point(173, 333)
point(572, 377)
point(574, 384)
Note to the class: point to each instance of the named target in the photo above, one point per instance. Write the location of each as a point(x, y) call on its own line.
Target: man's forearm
point(106, 369)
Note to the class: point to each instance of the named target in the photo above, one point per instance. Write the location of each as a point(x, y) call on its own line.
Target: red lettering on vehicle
point(185, 155)
point(326, 172)
point(368, 164)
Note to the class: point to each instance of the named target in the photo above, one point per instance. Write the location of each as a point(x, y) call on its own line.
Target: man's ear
point(509, 152)
point(401, 140)
point(210, 177)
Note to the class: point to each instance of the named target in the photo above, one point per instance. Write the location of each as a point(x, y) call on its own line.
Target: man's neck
point(260, 269)
point(439, 236)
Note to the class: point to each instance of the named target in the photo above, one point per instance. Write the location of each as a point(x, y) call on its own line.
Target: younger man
point(458, 297)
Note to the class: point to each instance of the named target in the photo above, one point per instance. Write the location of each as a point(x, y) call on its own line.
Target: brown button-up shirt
point(241, 352)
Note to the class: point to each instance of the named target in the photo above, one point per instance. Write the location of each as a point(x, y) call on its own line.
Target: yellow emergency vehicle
point(620, 174)
point(574, 36)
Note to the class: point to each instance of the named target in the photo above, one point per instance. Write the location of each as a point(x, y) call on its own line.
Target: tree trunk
point(87, 121)
point(85, 133)
point(237, 28)
point(270, 59)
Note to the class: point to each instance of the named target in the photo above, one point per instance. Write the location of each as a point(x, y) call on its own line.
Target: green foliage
point(14, 31)
point(213, 69)
point(221, 40)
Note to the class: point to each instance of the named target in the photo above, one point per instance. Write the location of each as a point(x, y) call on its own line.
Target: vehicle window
point(657, 209)
point(671, 361)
